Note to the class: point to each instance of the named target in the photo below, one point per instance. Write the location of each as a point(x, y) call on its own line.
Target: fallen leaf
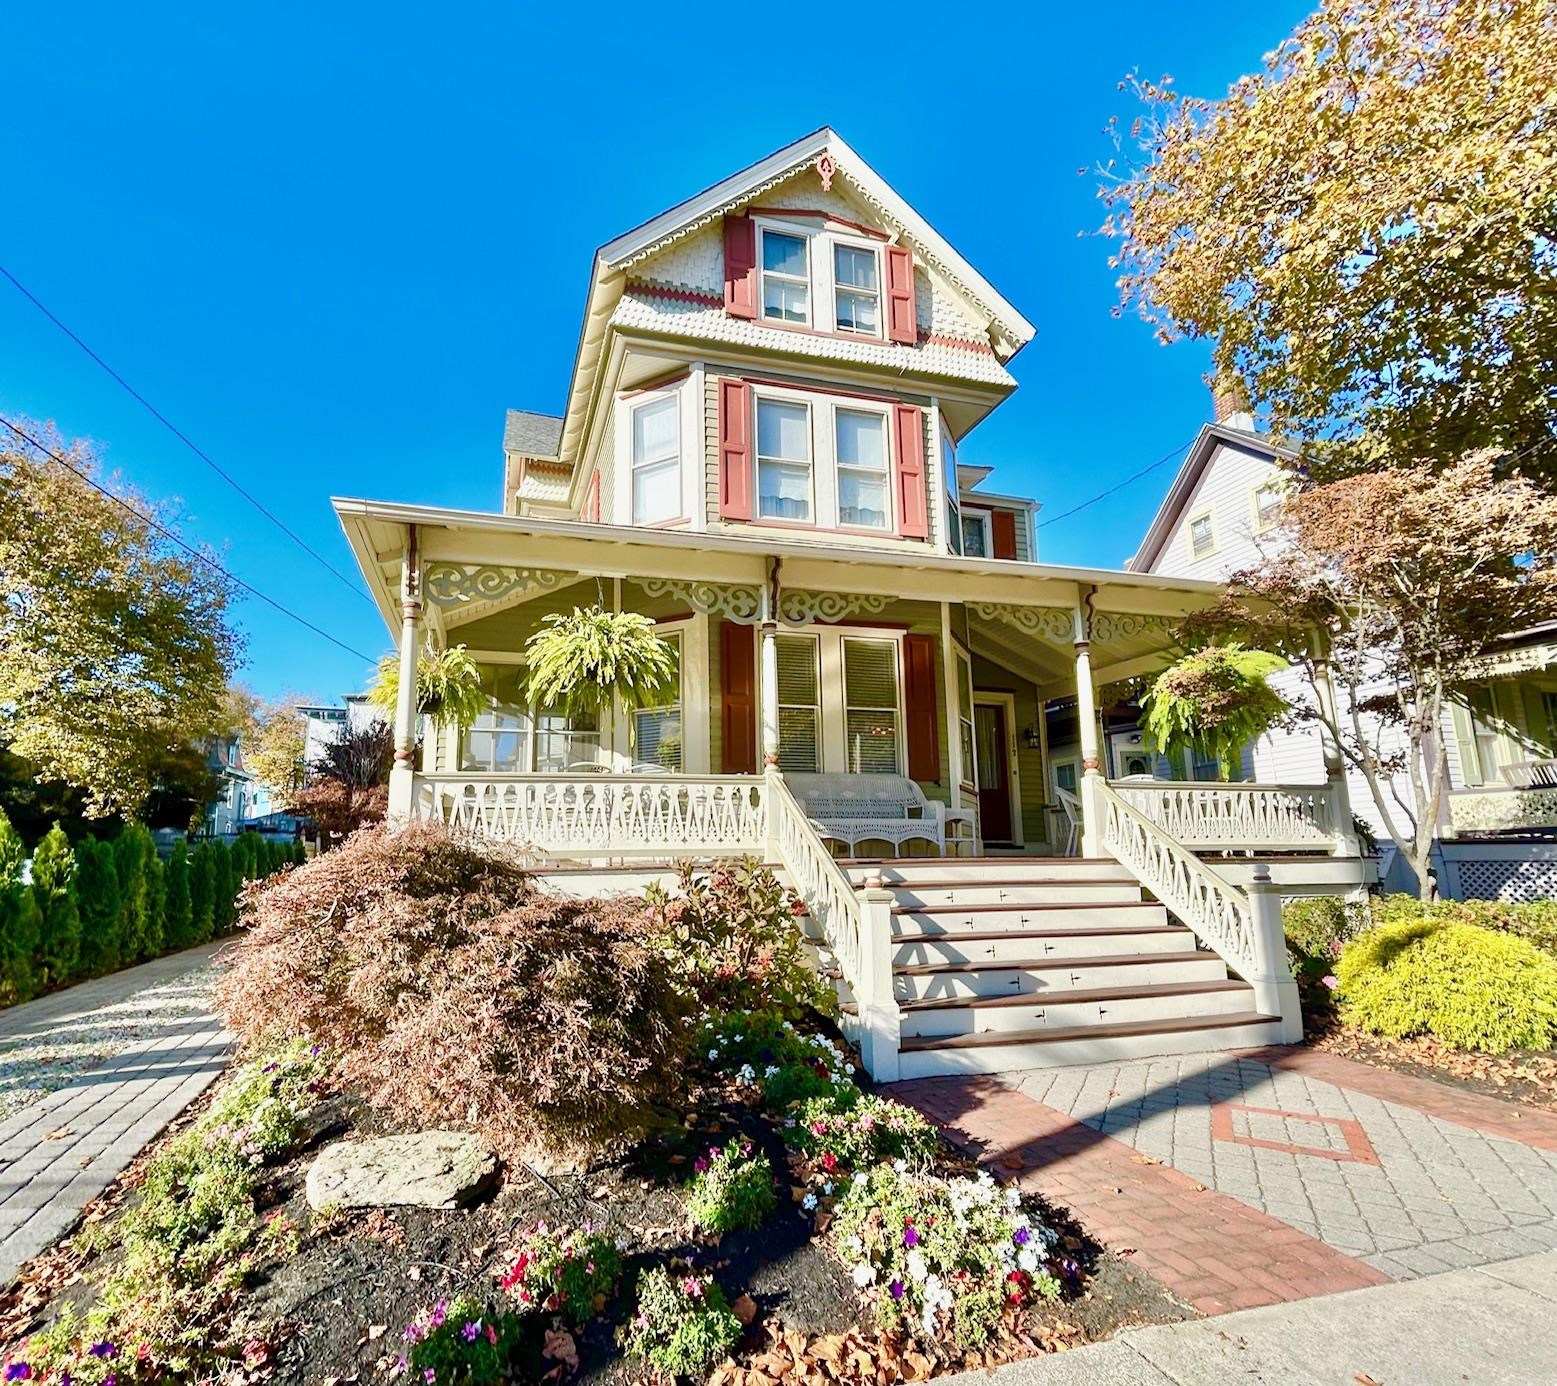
point(745, 1309)
point(1145, 1160)
point(1363, 1379)
point(560, 1347)
point(59, 1133)
point(376, 1330)
point(1125, 1251)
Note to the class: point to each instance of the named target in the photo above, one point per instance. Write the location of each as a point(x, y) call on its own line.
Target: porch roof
point(488, 555)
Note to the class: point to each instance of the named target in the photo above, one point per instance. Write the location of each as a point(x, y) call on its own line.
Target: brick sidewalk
point(1254, 1179)
point(61, 1152)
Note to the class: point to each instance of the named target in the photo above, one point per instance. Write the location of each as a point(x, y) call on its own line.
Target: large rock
point(432, 1169)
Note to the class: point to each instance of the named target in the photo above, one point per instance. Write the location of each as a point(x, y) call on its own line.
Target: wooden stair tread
point(1051, 964)
point(1008, 906)
point(1085, 995)
point(984, 935)
point(1004, 859)
point(1121, 1029)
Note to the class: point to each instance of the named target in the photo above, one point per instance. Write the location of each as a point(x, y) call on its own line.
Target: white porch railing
point(1239, 817)
point(855, 925)
point(1244, 930)
point(594, 816)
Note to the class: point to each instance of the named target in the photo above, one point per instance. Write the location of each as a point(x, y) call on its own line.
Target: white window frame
point(806, 237)
point(884, 413)
point(669, 632)
point(966, 698)
point(836, 242)
point(1259, 523)
point(819, 707)
point(1067, 763)
point(895, 647)
point(634, 466)
point(982, 517)
point(767, 394)
point(1209, 516)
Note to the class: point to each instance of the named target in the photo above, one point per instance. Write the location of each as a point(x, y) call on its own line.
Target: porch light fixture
point(1033, 738)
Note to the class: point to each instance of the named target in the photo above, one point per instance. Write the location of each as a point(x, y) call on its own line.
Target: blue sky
point(333, 243)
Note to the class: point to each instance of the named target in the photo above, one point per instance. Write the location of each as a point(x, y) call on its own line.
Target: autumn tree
point(347, 785)
point(275, 743)
point(1402, 582)
point(1366, 230)
point(115, 649)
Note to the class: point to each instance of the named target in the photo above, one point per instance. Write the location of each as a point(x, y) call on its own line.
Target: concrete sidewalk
point(1495, 1325)
point(62, 1150)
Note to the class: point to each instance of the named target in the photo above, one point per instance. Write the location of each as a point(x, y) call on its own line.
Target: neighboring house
point(324, 723)
point(1219, 516)
point(763, 451)
point(239, 795)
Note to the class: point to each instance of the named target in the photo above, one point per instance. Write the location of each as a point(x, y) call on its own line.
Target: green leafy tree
point(129, 852)
point(97, 898)
point(178, 912)
point(1214, 701)
point(202, 892)
point(224, 886)
point(115, 648)
point(155, 875)
point(18, 919)
point(54, 884)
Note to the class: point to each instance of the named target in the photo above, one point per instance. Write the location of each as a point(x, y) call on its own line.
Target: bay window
point(870, 714)
point(656, 460)
point(856, 290)
point(657, 740)
point(786, 277)
point(799, 703)
point(784, 460)
point(861, 453)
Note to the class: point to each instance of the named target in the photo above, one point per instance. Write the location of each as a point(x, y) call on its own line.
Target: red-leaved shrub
point(455, 994)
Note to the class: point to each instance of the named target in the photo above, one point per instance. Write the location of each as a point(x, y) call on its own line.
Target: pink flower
point(700, 1165)
point(1329, 982)
point(692, 1287)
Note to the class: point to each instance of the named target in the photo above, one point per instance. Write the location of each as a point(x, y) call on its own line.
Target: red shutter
point(740, 267)
point(1003, 525)
point(902, 324)
point(913, 506)
point(738, 697)
point(924, 740)
point(734, 450)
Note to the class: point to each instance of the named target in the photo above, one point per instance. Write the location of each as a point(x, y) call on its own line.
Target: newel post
point(402, 777)
point(1087, 726)
point(1275, 990)
point(881, 1023)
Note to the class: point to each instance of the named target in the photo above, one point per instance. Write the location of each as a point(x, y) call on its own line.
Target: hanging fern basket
point(1214, 701)
point(578, 660)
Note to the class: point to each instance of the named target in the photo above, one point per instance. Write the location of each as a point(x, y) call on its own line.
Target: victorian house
point(759, 450)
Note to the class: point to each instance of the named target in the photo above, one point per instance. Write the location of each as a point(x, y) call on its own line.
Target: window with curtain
point(856, 290)
point(499, 739)
point(783, 460)
point(657, 729)
point(786, 277)
point(656, 461)
point(862, 468)
point(870, 714)
point(965, 716)
point(799, 704)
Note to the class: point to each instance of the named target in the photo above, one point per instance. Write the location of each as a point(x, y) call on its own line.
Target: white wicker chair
point(851, 809)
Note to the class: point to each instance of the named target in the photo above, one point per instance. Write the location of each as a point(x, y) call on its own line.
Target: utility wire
point(1129, 480)
point(187, 441)
point(173, 537)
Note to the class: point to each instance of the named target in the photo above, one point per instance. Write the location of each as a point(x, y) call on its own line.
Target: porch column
point(1091, 752)
point(1346, 841)
point(402, 777)
point(953, 686)
point(767, 679)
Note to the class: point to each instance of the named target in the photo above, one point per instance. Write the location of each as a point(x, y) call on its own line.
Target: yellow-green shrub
point(1534, 920)
point(1469, 987)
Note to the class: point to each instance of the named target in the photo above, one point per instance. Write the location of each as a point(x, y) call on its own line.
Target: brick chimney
point(1230, 400)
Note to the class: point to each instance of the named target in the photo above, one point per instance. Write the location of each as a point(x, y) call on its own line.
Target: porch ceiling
point(476, 563)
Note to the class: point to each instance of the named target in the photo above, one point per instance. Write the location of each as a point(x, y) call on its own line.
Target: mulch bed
point(335, 1311)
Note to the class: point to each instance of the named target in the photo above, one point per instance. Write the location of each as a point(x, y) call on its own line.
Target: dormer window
point(857, 290)
point(786, 277)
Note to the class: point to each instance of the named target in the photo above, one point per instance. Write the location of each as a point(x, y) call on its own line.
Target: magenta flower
point(897, 1289)
point(429, 1375)
point(700, 1165)
point(1021, 1236)
point(104, 1349)
point(692, 1287)
point(910, 1235)
point(17, 1371)
point(471, 1331)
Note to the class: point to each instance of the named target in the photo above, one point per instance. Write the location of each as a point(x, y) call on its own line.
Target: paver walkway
point(1491, 1326)
point(161, 1049)
point(1261, 1178)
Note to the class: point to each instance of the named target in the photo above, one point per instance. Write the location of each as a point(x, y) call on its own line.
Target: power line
point(187, 441)
point(1103, 495)
point(188, 548)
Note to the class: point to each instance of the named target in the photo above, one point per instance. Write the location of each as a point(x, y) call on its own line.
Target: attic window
point(786, 277)
point(857, 289)
point(1202, 536)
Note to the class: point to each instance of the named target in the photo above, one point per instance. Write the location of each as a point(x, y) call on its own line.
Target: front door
point(993, 755)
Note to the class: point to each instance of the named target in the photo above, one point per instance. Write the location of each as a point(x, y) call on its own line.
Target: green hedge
point(1469, 987)
point(1535, 921)
point(106, 904)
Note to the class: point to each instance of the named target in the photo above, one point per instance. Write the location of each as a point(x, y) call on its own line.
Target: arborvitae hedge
point(107, 904)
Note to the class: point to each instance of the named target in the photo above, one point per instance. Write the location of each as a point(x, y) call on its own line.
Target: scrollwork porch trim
point(459, 584)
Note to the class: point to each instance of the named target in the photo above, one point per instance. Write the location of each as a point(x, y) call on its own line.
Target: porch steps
point(1008, 963)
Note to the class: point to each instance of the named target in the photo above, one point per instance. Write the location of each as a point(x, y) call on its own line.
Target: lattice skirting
point(1498, 871)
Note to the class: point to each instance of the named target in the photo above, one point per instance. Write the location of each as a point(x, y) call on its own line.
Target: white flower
point(864, 1274)
point(746, 1074)
point(808, 1202)
point(827, 1188)
point(770, 1070)
point(900, 1165)
point(853, 1245)
point(917, 1270)
point(1013, 1198)
point(713, 1053)
point(621, 1243)
point(860, 1177)
point(849, 1069)
point(1026, 1259)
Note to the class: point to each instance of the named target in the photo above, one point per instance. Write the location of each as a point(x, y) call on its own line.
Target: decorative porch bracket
point(1055, 624)
point(738, 602)
point(459, 584)
point(800, 608)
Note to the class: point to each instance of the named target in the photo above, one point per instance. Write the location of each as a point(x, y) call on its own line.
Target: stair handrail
point(855, 925)
point(1242, 928)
